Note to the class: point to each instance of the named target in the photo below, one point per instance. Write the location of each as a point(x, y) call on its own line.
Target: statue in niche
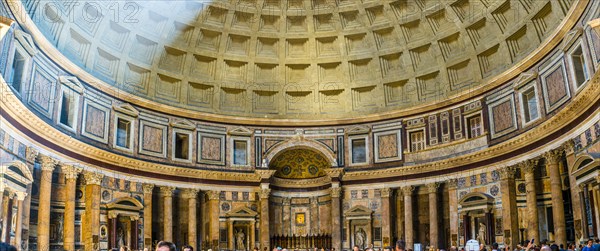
point(59, 228)
point(360, 236)
point(239, 237)
point(481, 234)
point(120, 237)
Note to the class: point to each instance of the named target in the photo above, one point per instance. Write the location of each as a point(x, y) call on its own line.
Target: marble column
point(453, 208)
point(433, 215)
point(230, 238)
point(148, 214)
point(167, 196)
point(265, 237)
point(386, 220)
point(45, 194)
point(576, 203)
point(91, 219)
point(408, 216)
point(191, 195)
point(314, 215)
point(399, 215)
point(558, 209)
point(19, 231)
point(528, 168)
point(287, 221)
point(1, 199)
point(5, 216)
point(510, 222)
point(336, 227)
point(71, 174)
point(252, 235)
point(213, 216)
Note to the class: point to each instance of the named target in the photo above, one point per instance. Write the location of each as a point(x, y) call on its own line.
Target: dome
point(294, 59)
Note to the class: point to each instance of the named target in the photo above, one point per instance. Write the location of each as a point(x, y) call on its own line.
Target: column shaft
point(45, 194)
point(510, 221)
point(558, 209)
point(19, 230)
point(265, 237)
point(408, 217)
point(167, 196)
point(252, 236)
point(336, 226)
point(148, 215)
point(91, 220)
point(69, 215)
point(453, 207)
point(386, 222)
point(287, 222)
point(531, 200)
point(399, 215)
point(433, 216)
point(5, 217)
point(192, 224)
point(213, 215)
point(230, 238)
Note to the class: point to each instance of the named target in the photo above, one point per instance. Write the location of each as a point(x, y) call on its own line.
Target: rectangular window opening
point(579, 67)
point(67, 110)
point(530, 106)
point(475, 128)
point(359, 151)
point(18, 66)
point(182, 144)
point(123, 133)
point(240, 152)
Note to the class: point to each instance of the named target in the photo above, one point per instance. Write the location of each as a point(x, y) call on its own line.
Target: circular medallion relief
point(225, 207)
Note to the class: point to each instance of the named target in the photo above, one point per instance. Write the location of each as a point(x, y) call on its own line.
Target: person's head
point(562, 246)
point(7, 247)
point(355, 248)
point(453, 248)
point(400, 245)
point(590, 242)
point(494, 245)
point(165, 246)
point(255, 249)
point(554, 247)
point(187, 248)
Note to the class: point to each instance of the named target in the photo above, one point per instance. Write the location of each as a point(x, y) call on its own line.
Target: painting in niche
point(300, 219)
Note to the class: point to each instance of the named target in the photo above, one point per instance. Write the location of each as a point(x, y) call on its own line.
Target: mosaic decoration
point(462, 182)
point(596, 129)
point(462, 194)
point(234, 196)
point(374, 205)
point(105, 195)
point(494, 190)
point(588, 136)
point(483, 178)
point(495, 175)
point(245, 196)
point(473, 179)
point(299, 164)
point(498, 226)
point(365, 193)
point(225, 207)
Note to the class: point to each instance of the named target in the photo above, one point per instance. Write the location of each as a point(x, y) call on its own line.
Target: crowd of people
point(591, 245)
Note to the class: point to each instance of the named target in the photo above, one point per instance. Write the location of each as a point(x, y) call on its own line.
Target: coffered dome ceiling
point(301, 59)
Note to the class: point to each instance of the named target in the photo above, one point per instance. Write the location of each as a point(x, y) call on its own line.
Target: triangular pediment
point(127, 109)
point(18, 171)
point(240, 131)
point(524, 79)
point(242, 212)
point(71, 82)
point(571, 38)
point(184, 124)
point(26, 41)
point(358, 211)
point(359, 130)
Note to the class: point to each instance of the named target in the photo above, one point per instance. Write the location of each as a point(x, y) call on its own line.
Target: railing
point(301, 242)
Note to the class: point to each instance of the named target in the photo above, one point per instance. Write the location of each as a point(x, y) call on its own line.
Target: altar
point(302, 242)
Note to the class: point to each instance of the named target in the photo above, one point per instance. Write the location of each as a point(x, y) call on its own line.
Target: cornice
point(540, 52)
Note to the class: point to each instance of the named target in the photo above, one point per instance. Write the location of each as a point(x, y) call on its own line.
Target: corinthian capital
point(336, 192)
point(264, 193)
point(507, 172)
point(528, 166)
point(47, 163)
point(213, 195)
point(190, 193)
point(386, 192)
point(148, 187)
point(167, 191)
point(407, 190)
point(553, 156)
point(93, 178)
point(432, 187)
point(70, 171)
